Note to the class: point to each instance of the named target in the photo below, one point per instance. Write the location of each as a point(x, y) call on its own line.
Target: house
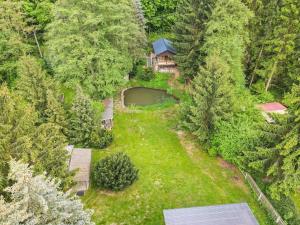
point(273, 107)
point(230, 214)
point(108, 114)
point(161, 58)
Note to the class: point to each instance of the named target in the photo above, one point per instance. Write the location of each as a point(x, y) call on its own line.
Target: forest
point(61, 59)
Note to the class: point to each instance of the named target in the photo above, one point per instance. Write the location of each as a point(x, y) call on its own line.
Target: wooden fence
point(264, 200)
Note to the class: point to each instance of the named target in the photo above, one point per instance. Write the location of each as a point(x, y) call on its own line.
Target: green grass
point(169, 177)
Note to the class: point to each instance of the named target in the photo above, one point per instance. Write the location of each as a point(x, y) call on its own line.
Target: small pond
point(141, 96)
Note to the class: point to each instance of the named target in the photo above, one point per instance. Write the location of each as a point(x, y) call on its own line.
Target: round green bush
point(101, 138)
point(115, 172)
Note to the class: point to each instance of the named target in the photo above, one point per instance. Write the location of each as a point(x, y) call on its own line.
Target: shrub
point(115, 172)
point(145, 74)
point(101, 138)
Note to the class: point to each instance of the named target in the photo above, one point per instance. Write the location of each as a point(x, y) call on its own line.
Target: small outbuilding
point(231, 214)
point(273, 107)
point(80, 162)
point(161, 58)
point(108, 114)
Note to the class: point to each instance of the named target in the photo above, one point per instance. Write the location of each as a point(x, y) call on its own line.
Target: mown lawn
point(171, 176)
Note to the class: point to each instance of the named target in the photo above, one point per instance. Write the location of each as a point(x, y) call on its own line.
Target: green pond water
point(141, 96)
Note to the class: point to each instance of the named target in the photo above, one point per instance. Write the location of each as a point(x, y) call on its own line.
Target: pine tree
point(17, 122)
point(212, 99)
point(189, 29)
point(81, 119)
point(13, 38)
point(49, 153)
point(226, 35)
point(41, 146)
point(273, 43)
point(36, 200)
point(279, 157)
point(94, 43)
point(40, 90)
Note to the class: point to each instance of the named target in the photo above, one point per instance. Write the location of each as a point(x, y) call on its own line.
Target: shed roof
point(272, 107)
point(81, 161)
point(108, 113)
point(163, 45)
point(231, 214)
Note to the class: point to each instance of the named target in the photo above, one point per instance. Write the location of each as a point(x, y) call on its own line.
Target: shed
point(230, 214)
point(272, 107)
point(108, 114)
point(81, 163)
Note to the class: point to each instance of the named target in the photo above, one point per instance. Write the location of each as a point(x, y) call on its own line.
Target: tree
point(94, 43)
point(212, 99)
point(13, 38)
point(36, 200)
point(190, 26)
point(40, 90)
point(82, 119)
point(115, 172)
point(226, 35)
point(279, 157)
point(42, 146)
point(160, 14)
point(273, 47)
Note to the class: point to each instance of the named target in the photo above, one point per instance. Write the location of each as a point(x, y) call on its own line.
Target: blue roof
point(163, 45)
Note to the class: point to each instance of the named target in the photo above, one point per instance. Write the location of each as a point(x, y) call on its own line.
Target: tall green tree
point(41, 91)
point(212, 99)
point(22, 138)
point(273, 47)
point(14, 32)
point(160, 14)
point(226, 35)
point(279, 157)
point(37, 200)
point(82, 119)
point(190, 27)
point(94, 43)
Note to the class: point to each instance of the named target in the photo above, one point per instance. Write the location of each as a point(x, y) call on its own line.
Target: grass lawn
point(171, 176)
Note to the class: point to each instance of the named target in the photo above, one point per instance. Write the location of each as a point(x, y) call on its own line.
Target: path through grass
point(171, 176)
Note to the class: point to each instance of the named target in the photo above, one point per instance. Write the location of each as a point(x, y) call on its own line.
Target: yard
point(174, 173)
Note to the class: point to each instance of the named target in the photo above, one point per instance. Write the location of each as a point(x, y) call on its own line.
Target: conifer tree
point(190, 26)
point(81, 119)
point(279, 157)
point(36, 200)
point(40, 90)
point(273, 46)
point(212, 98)
point(13, 35)
point(226, 35)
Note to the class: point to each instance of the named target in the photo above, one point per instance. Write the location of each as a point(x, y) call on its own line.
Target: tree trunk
point(271, 76)
point(37, 43)
point(256, 64)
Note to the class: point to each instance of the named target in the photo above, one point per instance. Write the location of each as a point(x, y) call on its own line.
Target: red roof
point(272, 107)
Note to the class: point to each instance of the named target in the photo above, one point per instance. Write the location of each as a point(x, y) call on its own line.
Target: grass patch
point(171, 176)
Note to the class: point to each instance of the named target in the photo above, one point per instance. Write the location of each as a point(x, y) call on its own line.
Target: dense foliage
point(160, 14)
point(101, 138)
point(189, 29)
point(36, 200)
point(94, 43)
point(115, 172)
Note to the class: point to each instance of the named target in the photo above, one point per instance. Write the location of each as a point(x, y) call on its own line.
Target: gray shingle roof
point(231, 214)
point(163, 45)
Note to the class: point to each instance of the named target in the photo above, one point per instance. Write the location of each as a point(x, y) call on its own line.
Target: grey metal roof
point(163, 45)
point(231, 214)
point(108, 113)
